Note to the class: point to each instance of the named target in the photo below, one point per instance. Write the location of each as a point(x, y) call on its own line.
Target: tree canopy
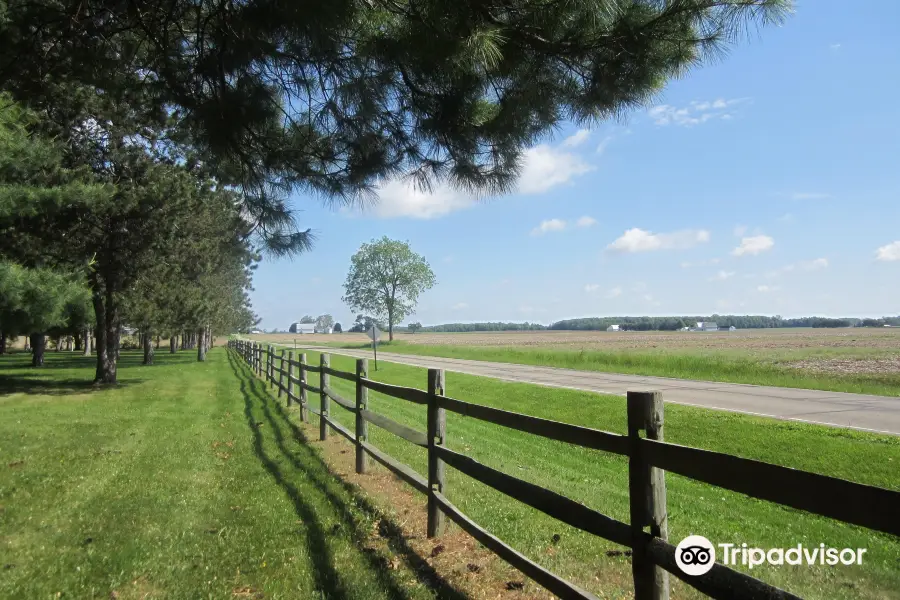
point(333, 97)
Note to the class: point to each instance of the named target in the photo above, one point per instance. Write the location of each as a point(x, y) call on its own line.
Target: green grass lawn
point(185, 481)
point(599, 480)
point(759, 368)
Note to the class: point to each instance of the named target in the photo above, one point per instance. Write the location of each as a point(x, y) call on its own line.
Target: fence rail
point(653, 558)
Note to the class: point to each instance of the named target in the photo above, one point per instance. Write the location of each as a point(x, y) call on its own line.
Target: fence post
point(324, 361)
point(281, 378)
point(647, 495)
point(362, 403)
point(437, 430)
point(270, 363)
point(304, 413)
point(290, 374)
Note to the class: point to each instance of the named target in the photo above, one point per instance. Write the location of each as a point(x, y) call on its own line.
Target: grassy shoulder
point(181, 482)
point(599, 480)
point(732, 367)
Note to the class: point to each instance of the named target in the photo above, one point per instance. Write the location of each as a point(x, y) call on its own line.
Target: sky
point(766, 182)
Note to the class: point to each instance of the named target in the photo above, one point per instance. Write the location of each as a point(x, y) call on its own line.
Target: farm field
point(860, 360)
point(600, 480)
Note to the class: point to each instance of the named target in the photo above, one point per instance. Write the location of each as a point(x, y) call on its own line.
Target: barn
point(707, 326)
point(303, 327)
point(613, 328)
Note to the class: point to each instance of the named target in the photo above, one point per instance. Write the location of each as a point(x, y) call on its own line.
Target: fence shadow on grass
point(342, 497)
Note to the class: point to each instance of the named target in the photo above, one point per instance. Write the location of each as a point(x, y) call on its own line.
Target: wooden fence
point(653, 557)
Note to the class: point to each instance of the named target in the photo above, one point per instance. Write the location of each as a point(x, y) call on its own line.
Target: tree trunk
point(201, 346)
point(208, 337)
point(59, 343)
point(173, 343)
point(2, 342)
point(38, 344)
point(107, 314)
point(157, 342)
point(68, 343)
point(78, 341)
point(27, 344)
point(117, 334)
point(87, 342)
point(148, 348)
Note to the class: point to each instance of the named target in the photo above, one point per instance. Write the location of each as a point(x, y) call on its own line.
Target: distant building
point(303, 328)
point(706, 326)
point(256, 331)
point(613, 328)
point(323, 329)
point(732, 328)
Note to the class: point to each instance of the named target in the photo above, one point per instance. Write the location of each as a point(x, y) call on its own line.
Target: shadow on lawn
point(342, 496)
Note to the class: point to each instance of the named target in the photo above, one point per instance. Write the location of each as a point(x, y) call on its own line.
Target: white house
point(303, 328)
point(707, 326)
point(732, 328)
point(323, 330)
point(613, 328)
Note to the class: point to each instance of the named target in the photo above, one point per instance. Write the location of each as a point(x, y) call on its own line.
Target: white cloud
point(460, 306)
point(640, 240)
point(722, 276)
point(601, 147)
point(753, 245)
point(549, 225)
point(890, 252)
point(577, 138)
point(804, 265)
point(695, 113)
point(402, 199)
point(764, 289)
point(835, 46)
point(592, 287)
point(545, 167)
point(615, 292)
point(586, 221)
point(814, 265)
point(740, 230)
point(809, 196)
point(785, 218)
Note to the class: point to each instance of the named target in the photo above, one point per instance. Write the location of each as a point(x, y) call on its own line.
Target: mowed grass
point(734, 366)
point(185, 481)
point(599, 480)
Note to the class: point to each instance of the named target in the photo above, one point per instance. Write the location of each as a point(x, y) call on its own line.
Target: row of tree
point(100, 229)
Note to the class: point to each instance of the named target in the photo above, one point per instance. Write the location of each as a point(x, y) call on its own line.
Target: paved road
point(857, 411)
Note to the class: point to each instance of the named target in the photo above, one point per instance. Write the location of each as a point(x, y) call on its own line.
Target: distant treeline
point(669, 323)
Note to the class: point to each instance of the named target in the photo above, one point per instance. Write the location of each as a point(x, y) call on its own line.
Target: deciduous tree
point(385, 279)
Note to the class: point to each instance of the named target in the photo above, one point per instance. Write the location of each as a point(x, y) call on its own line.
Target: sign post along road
point(374, 334)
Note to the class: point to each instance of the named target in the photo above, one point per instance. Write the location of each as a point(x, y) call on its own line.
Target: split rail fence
point(653, 557)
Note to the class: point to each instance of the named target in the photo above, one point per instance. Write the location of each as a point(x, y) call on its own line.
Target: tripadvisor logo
point(696, 555)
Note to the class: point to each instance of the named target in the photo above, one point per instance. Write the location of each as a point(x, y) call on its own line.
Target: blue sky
point(765, 183)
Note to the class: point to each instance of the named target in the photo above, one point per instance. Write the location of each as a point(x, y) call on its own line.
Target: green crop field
point(191, 480)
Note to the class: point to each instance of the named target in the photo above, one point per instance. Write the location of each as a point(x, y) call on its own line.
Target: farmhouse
point(303, 328)
point(613, 328)
point(323, 330)
point(706, 326)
